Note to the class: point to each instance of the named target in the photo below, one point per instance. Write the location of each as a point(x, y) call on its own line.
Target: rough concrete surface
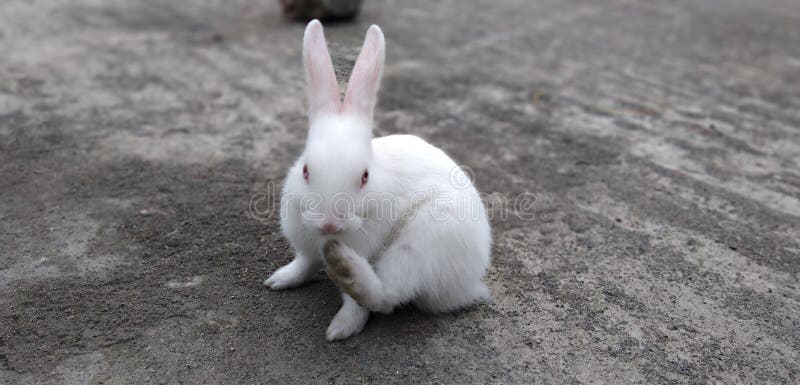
point(661, 139)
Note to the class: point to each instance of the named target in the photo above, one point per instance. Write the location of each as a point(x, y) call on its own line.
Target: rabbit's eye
point(305, 172)
point(364, 178)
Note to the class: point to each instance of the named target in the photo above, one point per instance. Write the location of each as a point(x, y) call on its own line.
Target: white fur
point(434, 258)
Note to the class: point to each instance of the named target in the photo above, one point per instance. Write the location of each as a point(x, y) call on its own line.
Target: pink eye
point(305, 172)
point(364, 178)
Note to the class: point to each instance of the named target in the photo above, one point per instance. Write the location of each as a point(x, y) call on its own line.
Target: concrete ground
point(661, 140)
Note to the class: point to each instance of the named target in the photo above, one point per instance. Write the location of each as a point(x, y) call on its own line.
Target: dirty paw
point(340, 265)
point(336, 261)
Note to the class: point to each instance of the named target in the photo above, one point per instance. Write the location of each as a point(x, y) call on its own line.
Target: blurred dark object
point(321, 9)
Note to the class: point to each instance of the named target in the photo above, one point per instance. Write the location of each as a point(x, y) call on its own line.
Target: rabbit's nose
point(330, 228)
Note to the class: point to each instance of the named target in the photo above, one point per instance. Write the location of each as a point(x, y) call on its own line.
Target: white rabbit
point(393, 220)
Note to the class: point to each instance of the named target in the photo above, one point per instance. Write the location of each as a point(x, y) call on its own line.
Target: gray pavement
point(661, 139)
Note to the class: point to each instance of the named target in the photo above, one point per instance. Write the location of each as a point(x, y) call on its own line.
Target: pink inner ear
point(323, 89)
point(364, 76)
point(363, 86)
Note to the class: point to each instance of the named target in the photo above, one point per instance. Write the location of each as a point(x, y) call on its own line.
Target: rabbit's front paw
point(354, 276)
point(348, 322)
point(337, 264)
point(340, 266)
point(291, 275)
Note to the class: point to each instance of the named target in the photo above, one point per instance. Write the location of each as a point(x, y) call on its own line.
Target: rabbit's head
point(338, 153)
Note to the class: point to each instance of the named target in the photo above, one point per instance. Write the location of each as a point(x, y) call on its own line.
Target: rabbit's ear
point(323, 90)
point(362, 89)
